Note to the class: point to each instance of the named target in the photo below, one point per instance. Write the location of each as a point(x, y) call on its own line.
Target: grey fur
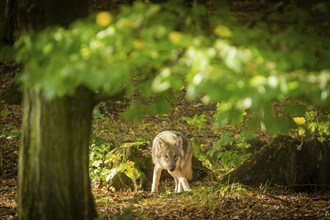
point(172, 151)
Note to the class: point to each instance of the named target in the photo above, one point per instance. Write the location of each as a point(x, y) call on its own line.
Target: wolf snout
point(172, 169)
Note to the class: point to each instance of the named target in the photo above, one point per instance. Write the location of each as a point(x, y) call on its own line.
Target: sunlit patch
point(198, 79)
point(273, 81)
point(161, 82)
point(247, 102)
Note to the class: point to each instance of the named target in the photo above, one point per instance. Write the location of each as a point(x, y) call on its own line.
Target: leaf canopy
point(154, 50)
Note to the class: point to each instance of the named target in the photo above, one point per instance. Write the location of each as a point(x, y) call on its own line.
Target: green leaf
point(294, 109)
point(4, 112)
point(15, 133)
point(96, 163)
point(134, 112)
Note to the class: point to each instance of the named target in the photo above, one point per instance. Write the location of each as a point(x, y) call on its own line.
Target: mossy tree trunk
point(53, 179)
point(53, 168)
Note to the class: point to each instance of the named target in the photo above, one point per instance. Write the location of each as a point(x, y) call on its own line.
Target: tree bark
point(53, 179)
point(37, 14)
point(8, 21)
point(53, 167)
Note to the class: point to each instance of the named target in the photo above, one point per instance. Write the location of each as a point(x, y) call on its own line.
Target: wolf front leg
point(179, 186)
point(176, 184)
point(181, 183)
point(155, 179)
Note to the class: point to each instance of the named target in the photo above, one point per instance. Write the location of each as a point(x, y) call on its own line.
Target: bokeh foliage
point(151, 51)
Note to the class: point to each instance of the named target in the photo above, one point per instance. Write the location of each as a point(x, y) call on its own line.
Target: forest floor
point(208, 200)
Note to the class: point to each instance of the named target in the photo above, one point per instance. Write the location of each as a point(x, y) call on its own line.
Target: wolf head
point(170, 152)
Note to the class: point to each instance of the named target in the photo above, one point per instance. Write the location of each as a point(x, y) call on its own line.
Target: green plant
point(4, 112)
point(236, 189)
point(312, 125)
point(6, 134)
point(107, 161)
point(201, 155)
point(223, 189)
point(198, 121)
point(230, 150)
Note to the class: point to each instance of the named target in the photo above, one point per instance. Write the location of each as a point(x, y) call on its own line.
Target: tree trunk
point(53, 179)
point(35, 15)
point(53, 166)
point(287, 162)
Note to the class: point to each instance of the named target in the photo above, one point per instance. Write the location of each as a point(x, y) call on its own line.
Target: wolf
point(172, 151)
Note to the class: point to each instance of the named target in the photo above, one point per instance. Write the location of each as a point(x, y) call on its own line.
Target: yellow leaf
point(299, 120)
point(104, 18)
point(301, 131)
point(222, 31)
point(175, 37)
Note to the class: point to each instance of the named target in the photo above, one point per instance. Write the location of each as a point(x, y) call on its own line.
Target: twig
point(271, 196)
point(275, 197)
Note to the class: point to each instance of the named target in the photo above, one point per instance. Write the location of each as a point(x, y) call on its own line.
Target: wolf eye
point(166, 156)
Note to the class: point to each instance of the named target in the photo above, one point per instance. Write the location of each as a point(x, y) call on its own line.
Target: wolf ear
point(161, 142)
point(179, 142)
